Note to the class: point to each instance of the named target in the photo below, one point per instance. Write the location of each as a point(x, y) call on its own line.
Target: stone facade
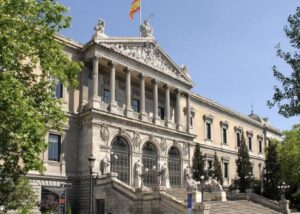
point(131, 91)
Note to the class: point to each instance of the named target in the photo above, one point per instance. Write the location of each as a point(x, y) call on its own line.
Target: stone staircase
point(239, 207)
point(227, 207)
point(179, 193)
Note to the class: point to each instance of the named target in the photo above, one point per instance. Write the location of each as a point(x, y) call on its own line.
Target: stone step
point(239, 207)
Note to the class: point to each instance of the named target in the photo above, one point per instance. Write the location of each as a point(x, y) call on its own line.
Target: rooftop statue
point(146, 29)
point(99, 29)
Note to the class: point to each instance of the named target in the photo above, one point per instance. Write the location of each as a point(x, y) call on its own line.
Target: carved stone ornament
point(175, 143)
point(150, 55)
point(122, 131)
point(146, 29)
point(151, 137)
point(163, 145)
point(104, 133)
point(137, 141)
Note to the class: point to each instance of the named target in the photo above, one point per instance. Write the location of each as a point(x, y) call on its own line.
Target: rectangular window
point(208, 131)
point(225, 170)
point(58, 89)
point(54, 147)
point(238, 139)
point(260, 146)
point(106, 96)
point(136, 105)
point(250, 143)
point(224, 135)
point(100, 206)
point(161, 113)
point(191, 121)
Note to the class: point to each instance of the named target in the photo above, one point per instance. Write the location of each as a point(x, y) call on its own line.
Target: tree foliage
point(289, 156)
point(198, 163)
point(244, 167)
point(31, 60)
point(287, 96)
point(217, 170)
point(272, 174)
point(22, 198)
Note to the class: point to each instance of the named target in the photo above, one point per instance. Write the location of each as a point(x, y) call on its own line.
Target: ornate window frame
point(249, 135)
point(238, 129)
point(224, 125)
point(260, 140)
point(208, 119)
point(226, 161)
point(208, 157)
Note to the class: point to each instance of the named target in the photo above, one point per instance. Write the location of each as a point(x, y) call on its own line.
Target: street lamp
point(91, 160)
point(2, 208)
point(283, 188)
point(202, 188)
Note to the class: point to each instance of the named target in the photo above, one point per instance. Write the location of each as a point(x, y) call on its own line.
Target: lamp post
point(202, 188)
point(91, 160)
point(283, 188)
point(2, 208)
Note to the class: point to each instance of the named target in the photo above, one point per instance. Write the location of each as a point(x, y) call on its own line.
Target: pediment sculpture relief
point(152, 56)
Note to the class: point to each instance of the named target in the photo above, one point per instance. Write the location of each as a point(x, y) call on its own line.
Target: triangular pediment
point(148, 52)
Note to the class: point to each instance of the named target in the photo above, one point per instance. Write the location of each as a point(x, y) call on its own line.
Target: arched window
point(174, 164)
point(149, 160)
point(120, 148)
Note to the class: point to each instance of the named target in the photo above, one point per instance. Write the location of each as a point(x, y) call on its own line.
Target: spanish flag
point(135, 6)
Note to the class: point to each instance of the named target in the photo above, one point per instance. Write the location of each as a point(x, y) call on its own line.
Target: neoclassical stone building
point(135, 103)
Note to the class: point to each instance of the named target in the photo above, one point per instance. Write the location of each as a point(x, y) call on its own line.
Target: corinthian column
point(167, 106)
point(155, 101)
point(95, 77)
point(178, 111)
point(128, 93)
point(112, 89)
point(188, 113)
point(94, 101)
point(143, 115)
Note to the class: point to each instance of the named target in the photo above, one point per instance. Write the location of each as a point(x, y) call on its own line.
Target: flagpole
point(140, 18)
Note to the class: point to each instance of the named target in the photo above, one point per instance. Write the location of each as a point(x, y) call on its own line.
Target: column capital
point(96, 59)
point(112, 63)
point(127, 70)
point(154, 81)
point(178, 91)
point(166, 86)
point(141, 76)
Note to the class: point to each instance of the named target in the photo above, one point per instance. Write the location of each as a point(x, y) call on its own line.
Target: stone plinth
point(196, 196)
point(95, 103)
point(215, 196)
point(284, 204)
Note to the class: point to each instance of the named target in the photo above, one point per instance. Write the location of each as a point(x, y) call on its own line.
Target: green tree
point(287, 96)
point(198, 163)
point(22, 198)
point(272, 174)
point(289, 156)
point(31, 60)
point(244, 167)
point(217, 170)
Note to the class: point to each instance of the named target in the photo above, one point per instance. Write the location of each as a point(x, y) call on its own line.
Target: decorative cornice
point(224, 124)
point(238, 128)
point(208, 118)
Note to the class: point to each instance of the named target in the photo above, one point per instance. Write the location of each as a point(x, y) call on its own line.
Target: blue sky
point(228, 46)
